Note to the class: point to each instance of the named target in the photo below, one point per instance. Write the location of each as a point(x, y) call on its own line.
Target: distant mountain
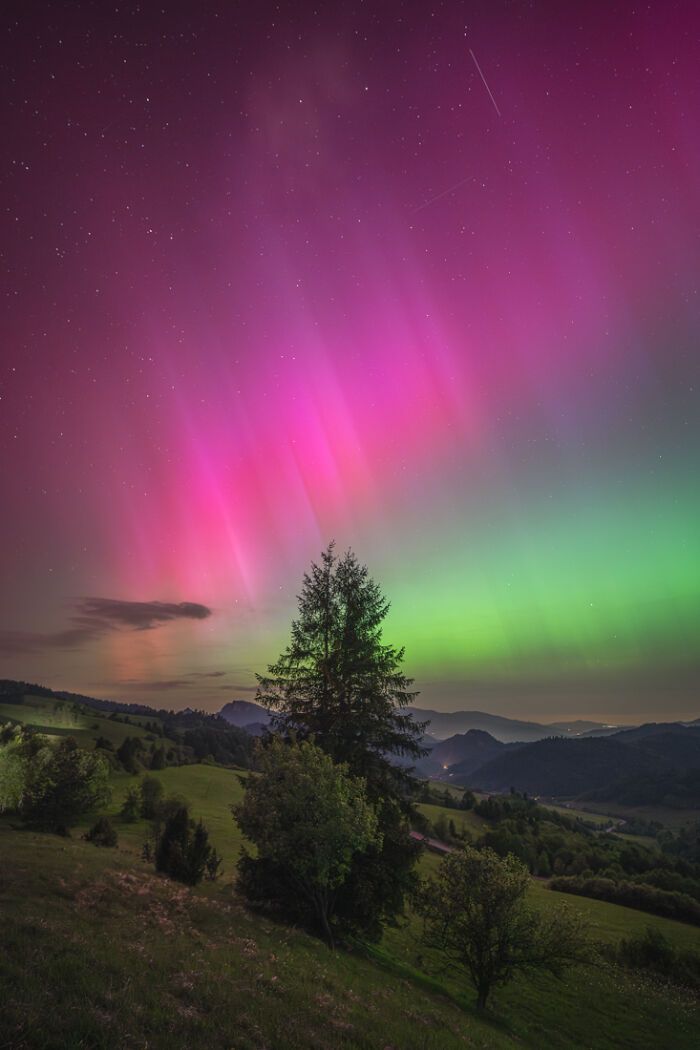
point(604, 731)
point(462, 753)
point(246, 715)
point(562, 767)
point(444, 724)
point(652, 729)
point(570, 767)
point(677, 789)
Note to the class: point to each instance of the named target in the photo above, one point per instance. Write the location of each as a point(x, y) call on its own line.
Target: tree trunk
point(325, 924)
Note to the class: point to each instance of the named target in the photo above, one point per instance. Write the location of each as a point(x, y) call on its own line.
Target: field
point(464, 819)
point(579, 814)
point(98, 952)
point(57, 719)
point(210, 790)
point(670, 818)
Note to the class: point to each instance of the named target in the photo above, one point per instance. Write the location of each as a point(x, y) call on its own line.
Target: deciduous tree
point(475, 912)
point(308, 819)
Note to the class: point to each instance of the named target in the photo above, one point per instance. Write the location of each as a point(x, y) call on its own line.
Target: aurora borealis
point(275, 275)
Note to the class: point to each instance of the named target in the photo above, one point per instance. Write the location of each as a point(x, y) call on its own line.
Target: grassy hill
point(98, 952)
point(210, 790)
point(60, 718)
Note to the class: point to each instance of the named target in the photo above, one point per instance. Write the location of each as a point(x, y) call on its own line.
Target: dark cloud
point(95, 617)
point(141, 616)
point(207, 674)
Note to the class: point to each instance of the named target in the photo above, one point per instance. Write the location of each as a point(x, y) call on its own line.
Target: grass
point(674, 819)
point(578, 814)
point(465, 819)
point(86, 726)
point(98, 952)
point(611, 922)
point(597, 1006)
point(210, 791)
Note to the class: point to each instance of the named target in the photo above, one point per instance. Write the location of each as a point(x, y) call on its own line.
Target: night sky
point(420, 278)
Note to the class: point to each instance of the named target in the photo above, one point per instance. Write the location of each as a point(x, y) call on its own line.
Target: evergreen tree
point(158, 760)
point(127, 753)
point(183, 850)
point(102, 833)
point(338, 683)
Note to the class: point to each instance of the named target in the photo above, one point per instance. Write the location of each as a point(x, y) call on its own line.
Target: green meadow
point(86, 725)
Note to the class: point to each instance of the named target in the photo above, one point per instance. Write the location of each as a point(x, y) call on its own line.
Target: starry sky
point(420, 278)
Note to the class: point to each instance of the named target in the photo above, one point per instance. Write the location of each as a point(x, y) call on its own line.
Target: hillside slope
point(589, 765)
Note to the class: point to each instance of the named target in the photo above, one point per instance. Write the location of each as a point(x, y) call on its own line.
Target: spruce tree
point(338, 683)
point(183, 850)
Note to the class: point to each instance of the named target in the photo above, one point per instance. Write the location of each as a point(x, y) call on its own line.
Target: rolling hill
point(462, 753)
point(245, 715)
point(603, 767)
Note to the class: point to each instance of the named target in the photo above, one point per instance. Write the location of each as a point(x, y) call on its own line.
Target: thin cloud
point(239, 688)
point(207, 674)
point(156, 685)
point(186, 681)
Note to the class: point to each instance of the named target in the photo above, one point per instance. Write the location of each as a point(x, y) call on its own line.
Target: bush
point(151, 794)
point(652, 951)
point(102, 833)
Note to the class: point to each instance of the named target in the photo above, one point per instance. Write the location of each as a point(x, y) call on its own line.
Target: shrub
point(131, 806)
point(62, 783)
point(654, 952)
point(151, 791)
point(102, 833)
